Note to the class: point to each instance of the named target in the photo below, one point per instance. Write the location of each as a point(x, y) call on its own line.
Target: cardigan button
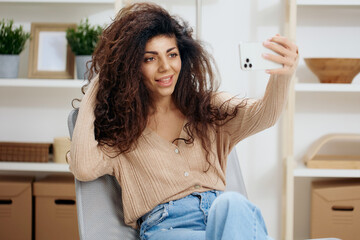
point(197, 186)
point(186, 174)
point(176, 150)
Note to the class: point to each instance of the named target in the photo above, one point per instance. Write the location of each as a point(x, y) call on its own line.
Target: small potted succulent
point(12, 43)
point(83, 40)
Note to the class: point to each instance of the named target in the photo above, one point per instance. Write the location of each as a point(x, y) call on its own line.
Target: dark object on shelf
point(24, 152)
point(334, 70)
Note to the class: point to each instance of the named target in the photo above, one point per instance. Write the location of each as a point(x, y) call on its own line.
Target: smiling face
point(161, 66)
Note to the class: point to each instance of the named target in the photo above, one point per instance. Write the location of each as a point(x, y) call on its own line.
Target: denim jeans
point(211, 215)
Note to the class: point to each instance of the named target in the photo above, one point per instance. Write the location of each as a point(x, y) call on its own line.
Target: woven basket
point(24, 152)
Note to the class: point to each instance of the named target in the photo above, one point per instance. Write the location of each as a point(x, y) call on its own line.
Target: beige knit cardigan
point(158, 171)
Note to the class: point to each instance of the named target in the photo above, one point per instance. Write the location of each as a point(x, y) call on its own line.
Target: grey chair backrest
point(99, 205)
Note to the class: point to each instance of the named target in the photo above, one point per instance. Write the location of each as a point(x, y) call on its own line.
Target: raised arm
point(263, 113)
point(86, 159)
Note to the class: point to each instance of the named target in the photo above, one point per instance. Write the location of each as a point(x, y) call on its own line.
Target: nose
point(164, 65)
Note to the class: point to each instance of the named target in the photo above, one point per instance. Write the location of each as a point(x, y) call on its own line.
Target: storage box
point(335, 210)
point(15, 208)
point(55, 208)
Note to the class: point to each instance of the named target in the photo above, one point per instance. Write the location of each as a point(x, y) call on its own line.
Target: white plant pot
point(9, 65)
point(81, 66)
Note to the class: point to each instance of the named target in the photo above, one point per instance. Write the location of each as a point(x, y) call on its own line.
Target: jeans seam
point(201, 206)
point(202, 209)
point(254, 219)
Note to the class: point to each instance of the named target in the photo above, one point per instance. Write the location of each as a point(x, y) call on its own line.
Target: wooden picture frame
point(50, 55)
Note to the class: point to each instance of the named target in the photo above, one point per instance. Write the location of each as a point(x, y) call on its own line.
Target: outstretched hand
point(288, 54)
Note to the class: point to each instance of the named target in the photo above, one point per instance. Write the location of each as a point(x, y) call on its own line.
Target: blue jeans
point(211, 215)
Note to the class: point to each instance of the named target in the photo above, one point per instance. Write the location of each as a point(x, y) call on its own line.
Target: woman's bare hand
point(288, 54)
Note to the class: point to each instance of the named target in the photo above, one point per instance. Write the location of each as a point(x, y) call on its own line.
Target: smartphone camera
point(247, 64)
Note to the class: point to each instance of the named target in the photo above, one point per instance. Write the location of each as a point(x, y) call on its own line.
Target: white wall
point(259, 155)
point(225, 24)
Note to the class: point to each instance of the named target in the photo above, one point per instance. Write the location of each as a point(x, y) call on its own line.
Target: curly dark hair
point(123, 101)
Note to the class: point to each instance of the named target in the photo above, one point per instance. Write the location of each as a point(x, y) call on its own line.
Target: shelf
point(303, 171)
point(328, 2)
point(34, 167)
point(47, 83)
point(58, 1)
point(326, 87)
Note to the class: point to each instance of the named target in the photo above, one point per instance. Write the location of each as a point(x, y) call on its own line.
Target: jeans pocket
point(156, 216)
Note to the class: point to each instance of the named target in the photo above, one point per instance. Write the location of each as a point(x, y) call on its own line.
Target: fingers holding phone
point(277, 55)
point(251, 57)
point(286, 54)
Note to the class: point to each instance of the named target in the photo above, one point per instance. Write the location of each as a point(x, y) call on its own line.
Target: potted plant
point(83, 40)
point(12, 43)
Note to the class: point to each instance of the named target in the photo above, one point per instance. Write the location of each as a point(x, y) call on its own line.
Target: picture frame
point(50, 56)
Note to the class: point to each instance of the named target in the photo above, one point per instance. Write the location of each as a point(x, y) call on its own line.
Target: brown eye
point(173, 55)
point(149, 59)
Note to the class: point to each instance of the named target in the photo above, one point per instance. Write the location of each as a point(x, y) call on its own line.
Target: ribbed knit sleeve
point(257, 114)
point(87, 161)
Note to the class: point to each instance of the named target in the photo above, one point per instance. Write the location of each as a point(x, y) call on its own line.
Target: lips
point(165, 81)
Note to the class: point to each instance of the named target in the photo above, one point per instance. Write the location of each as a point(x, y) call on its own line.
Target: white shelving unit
point(316, 109)
point(328, 3)
point(327, 87)
point(301, 171)
point(11, 167)
point(60, 1)
point(42, 83)
point(35, 110)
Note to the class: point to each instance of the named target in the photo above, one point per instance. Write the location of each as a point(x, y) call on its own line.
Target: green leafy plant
point(84, 38)
point(12, 40)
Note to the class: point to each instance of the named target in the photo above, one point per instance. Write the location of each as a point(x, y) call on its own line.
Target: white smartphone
point(251, 57)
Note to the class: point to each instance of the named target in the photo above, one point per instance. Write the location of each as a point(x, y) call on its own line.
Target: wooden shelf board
point(23, 82)
point(34, 167)
point(328, 2)
point(326, 87)
point(302, 171)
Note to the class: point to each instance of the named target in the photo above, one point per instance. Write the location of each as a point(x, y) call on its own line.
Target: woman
point(153, 118)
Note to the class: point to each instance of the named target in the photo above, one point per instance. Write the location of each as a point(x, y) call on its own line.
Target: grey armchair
point(99, 206)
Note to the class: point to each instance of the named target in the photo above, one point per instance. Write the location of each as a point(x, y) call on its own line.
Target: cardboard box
point(55, 209)
point(15, 208)
point(335, 210)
